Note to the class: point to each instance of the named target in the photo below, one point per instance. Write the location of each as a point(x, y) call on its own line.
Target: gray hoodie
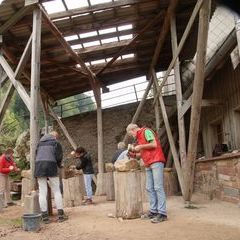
point(49, 157)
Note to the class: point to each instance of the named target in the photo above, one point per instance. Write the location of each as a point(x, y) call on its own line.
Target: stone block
point(109, 167)
point(126, 165)
point(231, 192)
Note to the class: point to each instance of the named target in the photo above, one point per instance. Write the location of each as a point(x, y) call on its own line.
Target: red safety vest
point(153, 155)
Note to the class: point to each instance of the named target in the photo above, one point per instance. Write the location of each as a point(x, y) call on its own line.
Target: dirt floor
point(211, 220)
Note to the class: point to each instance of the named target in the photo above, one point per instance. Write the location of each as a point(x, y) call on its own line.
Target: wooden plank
point(164, 32)
point(212, 103)
point(184, 108)
point(18, 86)
point(23, 60)
point(170, 137)
point(35, 90)
point(237, 27)
point(156, 110)
point(98, 7)
point(131, 42)
point(181, 44)
point(61, 125)
point(198, 85)
point(3, 80)
point(91, 76)
point(181, 125)
point(14, 19)
point(5, 102)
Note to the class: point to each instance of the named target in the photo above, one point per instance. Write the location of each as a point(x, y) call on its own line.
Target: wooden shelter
point(88, 48)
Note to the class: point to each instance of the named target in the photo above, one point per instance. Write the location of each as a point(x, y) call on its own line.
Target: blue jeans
point(88, 184)
point(155, 189)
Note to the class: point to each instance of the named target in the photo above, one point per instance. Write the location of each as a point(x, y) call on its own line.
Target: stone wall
point(219, 178)
point(83, 128)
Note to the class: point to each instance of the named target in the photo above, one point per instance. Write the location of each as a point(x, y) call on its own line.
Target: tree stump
point(101, 186)
point(128, 194)
point(72, 193)
point(110, 192)
point(26, 188)
point(143, 186)
point(170, 182)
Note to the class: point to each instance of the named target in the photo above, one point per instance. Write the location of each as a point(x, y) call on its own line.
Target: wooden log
point(171, 185)
point(72, 194)
point(26, 188)
point(110, 191)
point(1, 201)
point(101, 186)
point(143, 186)
point(128, 194)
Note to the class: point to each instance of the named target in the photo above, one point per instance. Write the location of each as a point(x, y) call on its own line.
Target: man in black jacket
point(85, 163)
point(48, 160)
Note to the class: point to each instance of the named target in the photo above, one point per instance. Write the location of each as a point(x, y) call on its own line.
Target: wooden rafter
point(165, 28)
point(98, 7)
point(131, 42)
point(181, 44)
point(69, 50)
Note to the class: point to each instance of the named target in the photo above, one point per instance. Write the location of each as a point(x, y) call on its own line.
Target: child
point(85, 164)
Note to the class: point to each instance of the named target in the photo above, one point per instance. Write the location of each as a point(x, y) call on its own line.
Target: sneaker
point(159, 218)
point(87, 202)
point(45, 217)
point(149, 215)
point(62, 216)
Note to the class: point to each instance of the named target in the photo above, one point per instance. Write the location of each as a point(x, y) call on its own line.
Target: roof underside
point(61, 77)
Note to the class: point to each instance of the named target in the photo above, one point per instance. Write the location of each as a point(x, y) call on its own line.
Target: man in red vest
point(151, 152)
point(7, 165)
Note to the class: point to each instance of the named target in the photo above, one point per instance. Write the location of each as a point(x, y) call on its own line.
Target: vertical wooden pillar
point(237, 27)
point(181, 127)
point(197, 97)
point(156, 109)
point(101, 184)
point(35, 86)
point(170, 136)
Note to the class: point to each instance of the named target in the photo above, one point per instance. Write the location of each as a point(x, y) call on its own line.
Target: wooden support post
point(35, 89)
point(237, 27)
point(181, 126)
point(140, 106)
point(18, 86)
point(101, 186)
point(156, 110)
point(170, 137)
point(20, 67)
point(197, 97)
point(181, 44)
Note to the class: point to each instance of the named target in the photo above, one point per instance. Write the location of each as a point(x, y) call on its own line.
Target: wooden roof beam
point(165, 28)
point(15, 18)
point(98, 7)
point(69, 50)
point(131, 43)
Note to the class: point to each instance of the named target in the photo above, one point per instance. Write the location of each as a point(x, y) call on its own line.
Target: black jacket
point(85, 163)
point(48, 157)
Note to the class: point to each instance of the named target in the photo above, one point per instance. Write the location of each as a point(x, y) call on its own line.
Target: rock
point(126, 165)
point(109, 167)
point(26, 174)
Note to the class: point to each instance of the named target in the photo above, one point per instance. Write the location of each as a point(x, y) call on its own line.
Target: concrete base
point(101, 185)
point(31, 203)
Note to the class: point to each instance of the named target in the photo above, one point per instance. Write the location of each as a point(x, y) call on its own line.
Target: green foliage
point(76, 104)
